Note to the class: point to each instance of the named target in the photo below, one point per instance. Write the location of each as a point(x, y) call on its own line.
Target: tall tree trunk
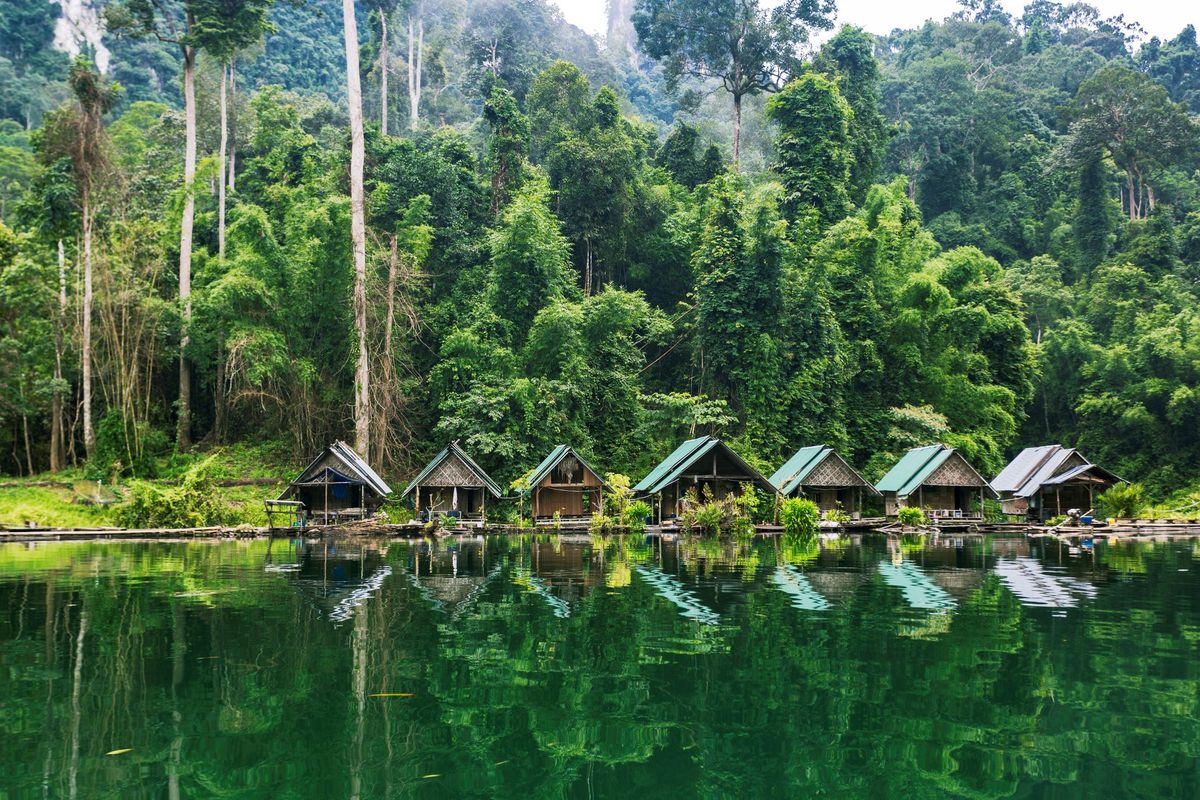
point(387, 384)
point(56, 404)
point(85, 345)
point(415, 63)
point(358, 236)
point(220, 402)
point(221, 180)
point(232, 124)
point(183, 437)
point(737, 131)
point(383, 72)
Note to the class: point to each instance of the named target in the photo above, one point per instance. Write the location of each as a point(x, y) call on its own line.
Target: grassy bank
point(68, 500)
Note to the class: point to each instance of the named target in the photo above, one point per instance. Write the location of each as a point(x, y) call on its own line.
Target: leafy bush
point(636, 514)
point(799, 517)
point(192, 503)
point(911, 517)
point(1124, 500)
point(601, 523)
point(616, 499)
point(708, 517)
point(837, 515)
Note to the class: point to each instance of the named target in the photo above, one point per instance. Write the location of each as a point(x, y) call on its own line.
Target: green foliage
point(813, 146)
point(636, 514)
point(1123, 500)
point(194, 502)
point(911, 516)
point(799, 517)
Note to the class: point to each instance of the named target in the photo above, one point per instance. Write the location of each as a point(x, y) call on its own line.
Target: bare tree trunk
point(737, 131)
point(56, 405)
point(415, 64)
point(587, 267)
point(358, 235)
point(183, 438)
point(220, 402)
point(233, 124)
point(221, 179)
point(383, 72)
point(85, 345)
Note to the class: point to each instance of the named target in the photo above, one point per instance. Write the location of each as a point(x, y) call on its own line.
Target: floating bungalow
point(697, 464)
point(566, 485)
point(452, 485)
point(1042, 482)
point(336, 486)
point(823, 476)
point(936, 478)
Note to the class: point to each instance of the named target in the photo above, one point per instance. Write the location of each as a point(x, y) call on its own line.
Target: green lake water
point(550, 667)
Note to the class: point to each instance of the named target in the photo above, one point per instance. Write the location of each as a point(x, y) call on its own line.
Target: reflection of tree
point(222, 692)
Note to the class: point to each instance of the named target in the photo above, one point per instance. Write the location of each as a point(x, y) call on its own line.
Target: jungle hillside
point(248, 228)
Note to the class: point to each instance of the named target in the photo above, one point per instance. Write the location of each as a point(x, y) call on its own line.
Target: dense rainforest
point(984, 231)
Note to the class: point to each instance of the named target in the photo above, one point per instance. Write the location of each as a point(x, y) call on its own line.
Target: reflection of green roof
point(470, 464)
point(913, 468)
point(551, 461)
point(916, 587)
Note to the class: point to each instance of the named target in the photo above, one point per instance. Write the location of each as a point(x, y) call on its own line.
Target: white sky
point(1162, 18)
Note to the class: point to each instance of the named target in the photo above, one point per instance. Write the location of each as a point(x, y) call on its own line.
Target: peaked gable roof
point(1018, 471)
point(1048, 465)
point(793, 474)
point(349, 464)
point(673, 466)
point(453, 449)
point(917, 465)
point(554, 459)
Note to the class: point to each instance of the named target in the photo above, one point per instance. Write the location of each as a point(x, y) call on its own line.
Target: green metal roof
point(453, 447)
point(916, 465)
point(684, 456)
point(551, 461)
point(669, 463)
point(792, 473)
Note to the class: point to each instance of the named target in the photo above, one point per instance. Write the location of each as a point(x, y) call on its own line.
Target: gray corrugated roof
point(1046, 471)
point(355, 467)
point(1020, 469)
point(1076, 471)
point(462, 456)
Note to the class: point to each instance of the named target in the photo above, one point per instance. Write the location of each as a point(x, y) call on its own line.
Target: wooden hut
point(1042, 482)
point(337, 485)
point(936, 478)
point(700, 463)
point(823, 476)
point(566, 485)
point(452, 485)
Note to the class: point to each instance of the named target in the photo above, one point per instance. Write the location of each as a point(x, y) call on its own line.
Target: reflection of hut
point(699, 464)
point(336, 485)
point(566, 485)
point(452, 485)
point(937, 478)
point(1044, 481)
point(823, 476)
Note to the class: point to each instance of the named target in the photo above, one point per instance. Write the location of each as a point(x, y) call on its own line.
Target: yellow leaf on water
point(118, 752)
point(391, 694)
point(432, 775)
